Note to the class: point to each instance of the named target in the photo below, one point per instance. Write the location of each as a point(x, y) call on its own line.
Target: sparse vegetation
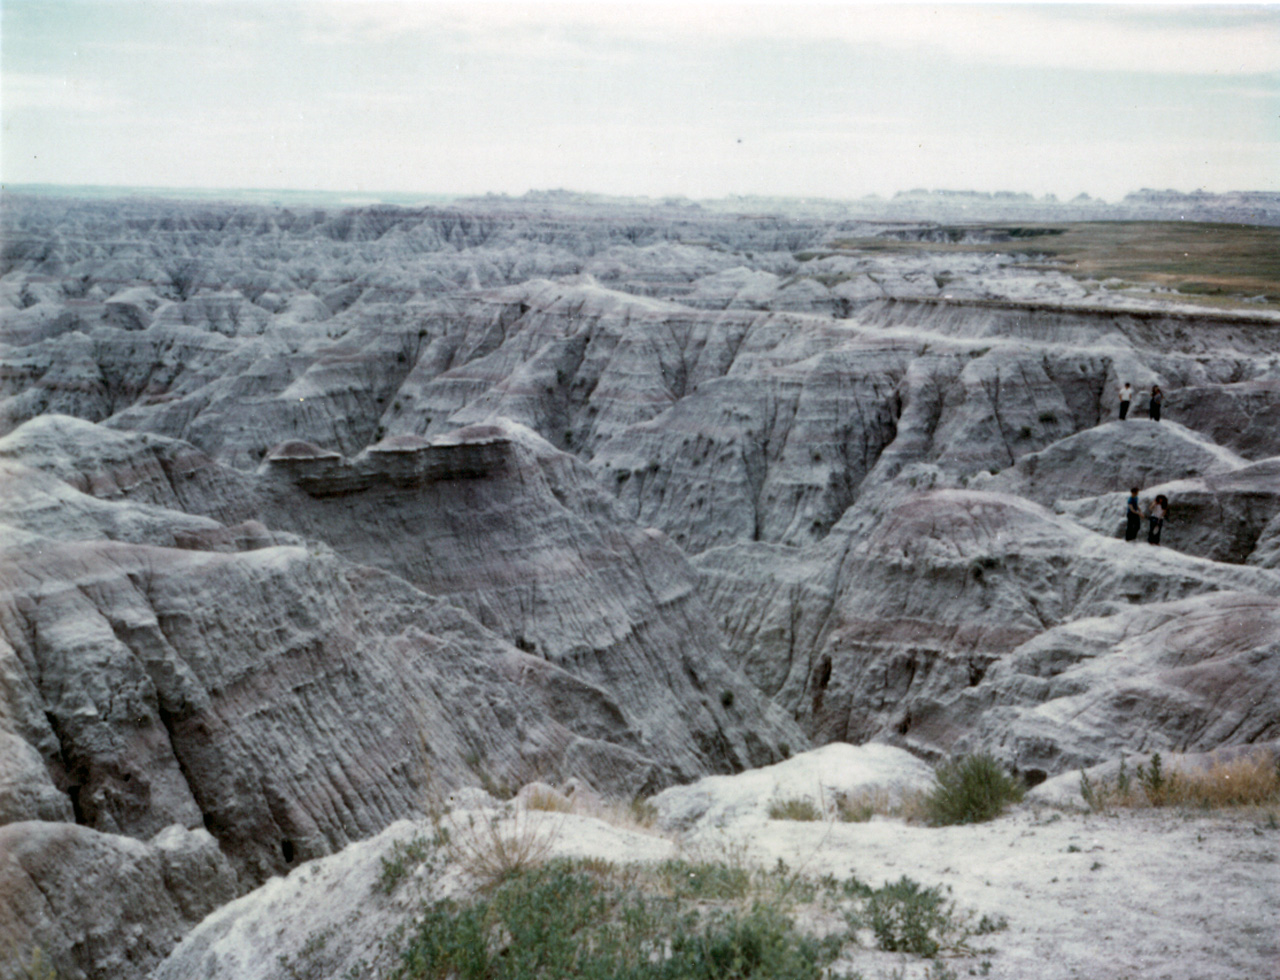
point(547, 801)
point(908, 918)
point(1218, 264)
point(867, 803)
point(644, 813)
point(494, 849)
point(679, 920)
point(569, 919)
point(405, 857)
point(796, 808)
point(37, 966)
point(1252, 780)
point(970, 789)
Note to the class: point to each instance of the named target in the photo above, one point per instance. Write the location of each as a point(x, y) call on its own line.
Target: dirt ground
point(1135, 895)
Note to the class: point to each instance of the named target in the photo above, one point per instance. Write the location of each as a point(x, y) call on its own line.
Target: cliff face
point(308, 517)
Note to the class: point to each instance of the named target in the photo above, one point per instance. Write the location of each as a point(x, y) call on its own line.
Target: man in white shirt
point(1126, 396)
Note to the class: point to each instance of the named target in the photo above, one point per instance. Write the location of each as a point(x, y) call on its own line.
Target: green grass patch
point(564, 920)
point(405, 857)
point(680, 920)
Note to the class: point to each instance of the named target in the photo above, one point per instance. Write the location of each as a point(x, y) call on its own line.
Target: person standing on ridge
point(1157, 396)
point(1133, 516)
point(1156, 514)
point(1126, 396)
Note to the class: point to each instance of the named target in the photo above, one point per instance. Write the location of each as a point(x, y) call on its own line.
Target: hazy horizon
point(403, 197)
point(837, 101)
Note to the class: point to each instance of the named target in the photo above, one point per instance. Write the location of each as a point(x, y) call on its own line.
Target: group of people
point(1156, 513)
point(1159, 508)
point(1153, 406)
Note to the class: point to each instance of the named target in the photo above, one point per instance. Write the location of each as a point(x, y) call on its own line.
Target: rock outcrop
point(86, 905)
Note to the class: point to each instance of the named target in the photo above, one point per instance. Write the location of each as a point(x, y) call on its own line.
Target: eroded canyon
point(308, 514)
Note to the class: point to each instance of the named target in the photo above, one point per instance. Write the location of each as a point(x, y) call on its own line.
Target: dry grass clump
point(495, 848)
point(854, 807)
point(549, 801)
point(795, 808)
point(637, 814)
point(1249, 780)
point(873, 801)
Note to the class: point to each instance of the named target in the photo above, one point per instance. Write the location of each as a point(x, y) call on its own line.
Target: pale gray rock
point(221, 312)
point(156, 659)
point(25, 790)
point(386, 501)
point(1115, 456)
point(1190, 676)
point(821, 777)
point(1226, 516)
point(906, 605)
point(520, 535)
point(151, 704)
point(738, 287)
point(140, 468)
point(95, 906)
point(40, 508)
point(1266, 553)
point(1243, 416)
point(330, 916)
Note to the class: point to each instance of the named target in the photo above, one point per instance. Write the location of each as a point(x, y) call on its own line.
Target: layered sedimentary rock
point(519, 534)
point(307, 515)
point(1189, 676)
point(902, 609)
point(85, 905)
point(160, 661)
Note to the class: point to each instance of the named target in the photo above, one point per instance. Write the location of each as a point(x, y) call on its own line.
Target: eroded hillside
point(309, 514)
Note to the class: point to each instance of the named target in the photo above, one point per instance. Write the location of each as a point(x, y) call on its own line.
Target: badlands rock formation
point(311, 516)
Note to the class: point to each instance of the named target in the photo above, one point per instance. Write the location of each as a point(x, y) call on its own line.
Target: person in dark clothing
point(1126, 395)
point(1157, 396)
point(1133, 517)
point(1155, 515)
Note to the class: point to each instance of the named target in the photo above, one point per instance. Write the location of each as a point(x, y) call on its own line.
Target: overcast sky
point(836, 100)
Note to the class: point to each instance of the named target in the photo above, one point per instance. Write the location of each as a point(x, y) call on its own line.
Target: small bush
point(1048, 418)
point(971, 789)
point(643, 812)
point(866, 803)
point(1158, 785)
point(726, 699)
point(794, 809)
point(38, 967)
point(908, 918)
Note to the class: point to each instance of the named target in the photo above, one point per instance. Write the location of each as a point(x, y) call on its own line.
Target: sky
point(835, 100)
